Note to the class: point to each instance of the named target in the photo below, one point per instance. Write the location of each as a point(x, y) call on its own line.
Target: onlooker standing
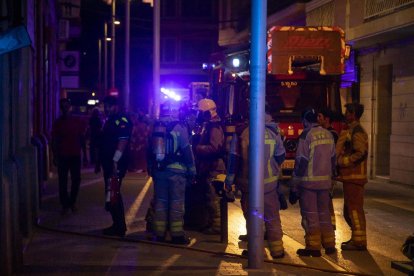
point(113, 155)
point(68, 133)
point(311, 181)
point(352, 152)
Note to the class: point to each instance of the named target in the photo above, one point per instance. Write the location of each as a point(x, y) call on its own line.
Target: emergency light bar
point(170, 94)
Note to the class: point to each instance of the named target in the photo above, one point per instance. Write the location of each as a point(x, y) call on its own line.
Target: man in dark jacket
point(113, 156)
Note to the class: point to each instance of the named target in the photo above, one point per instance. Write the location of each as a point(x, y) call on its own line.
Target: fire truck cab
point(304, 69)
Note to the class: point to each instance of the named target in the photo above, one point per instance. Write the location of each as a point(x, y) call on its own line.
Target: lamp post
point(113, 44)
point(100, 67)
point(105, 57)
point(127, 49)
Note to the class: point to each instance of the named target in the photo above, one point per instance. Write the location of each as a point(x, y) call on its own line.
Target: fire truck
point(304, 68)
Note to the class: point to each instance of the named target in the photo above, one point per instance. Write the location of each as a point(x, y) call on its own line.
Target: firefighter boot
point(308, 253)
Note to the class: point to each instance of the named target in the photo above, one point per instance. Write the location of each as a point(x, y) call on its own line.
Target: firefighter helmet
point(208, 105)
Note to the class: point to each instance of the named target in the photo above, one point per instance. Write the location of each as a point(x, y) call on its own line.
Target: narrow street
point(73, 243)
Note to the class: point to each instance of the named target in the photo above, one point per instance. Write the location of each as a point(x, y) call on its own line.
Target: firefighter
point(274, 155)
point(209, 153)
point(170, 164)
point(311, 181)
point(113, 156)
point(325, 116)
point(352, 152)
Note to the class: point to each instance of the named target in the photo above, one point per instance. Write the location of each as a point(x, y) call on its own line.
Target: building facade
point(30, 85)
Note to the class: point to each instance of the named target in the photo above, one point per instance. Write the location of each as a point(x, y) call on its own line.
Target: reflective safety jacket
point(352, 153)
point(315, 159)
point(209, 151)
point(274, 154)
point(182, 159)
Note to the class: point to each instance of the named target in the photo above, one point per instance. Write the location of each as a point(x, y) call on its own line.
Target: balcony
point(377, 8)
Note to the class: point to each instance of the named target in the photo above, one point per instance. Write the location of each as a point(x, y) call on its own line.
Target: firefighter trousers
point(316, 219)
point(169, 188)
point(354, 212)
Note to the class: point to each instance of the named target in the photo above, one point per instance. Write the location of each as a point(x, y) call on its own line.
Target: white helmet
point(208, 105)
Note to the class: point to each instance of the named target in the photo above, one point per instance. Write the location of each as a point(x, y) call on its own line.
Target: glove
point(293, 197)
point(282, 201)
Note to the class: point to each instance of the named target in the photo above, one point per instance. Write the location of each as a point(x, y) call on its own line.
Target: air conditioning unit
point(69, 61)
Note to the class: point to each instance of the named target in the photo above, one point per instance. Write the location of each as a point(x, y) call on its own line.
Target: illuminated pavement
point(77, 247)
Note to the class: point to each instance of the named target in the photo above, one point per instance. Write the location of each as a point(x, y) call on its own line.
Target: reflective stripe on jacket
point(352, 153)
point(182, 145)
point(315, 158)
point(273, 147)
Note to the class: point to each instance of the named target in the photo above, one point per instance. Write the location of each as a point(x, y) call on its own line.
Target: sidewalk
point(73, 244)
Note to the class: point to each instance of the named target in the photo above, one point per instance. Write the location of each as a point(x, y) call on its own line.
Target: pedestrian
point(68, 132)
point(95, 128)
point(274, 155)
point(325, 116)
point(352, 153)
point(310, 183)
point(209, 153)
point(113, 156)
point(139, 143)
point(170, 164)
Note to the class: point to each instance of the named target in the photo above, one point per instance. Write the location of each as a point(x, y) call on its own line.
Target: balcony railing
point(376, 8)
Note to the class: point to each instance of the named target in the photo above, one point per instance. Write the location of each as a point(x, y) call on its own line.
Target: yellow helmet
point(208, 105)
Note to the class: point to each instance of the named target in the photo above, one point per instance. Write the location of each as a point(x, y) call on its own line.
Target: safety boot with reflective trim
point(351, 246)
point(181, 240)
point(308, 253)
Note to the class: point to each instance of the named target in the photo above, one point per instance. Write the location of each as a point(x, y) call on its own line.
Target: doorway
point(384, 118)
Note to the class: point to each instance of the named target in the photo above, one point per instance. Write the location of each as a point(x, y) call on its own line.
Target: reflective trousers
point(272, 220)
point(169, 188)
point(354, 211)
point(316, 219)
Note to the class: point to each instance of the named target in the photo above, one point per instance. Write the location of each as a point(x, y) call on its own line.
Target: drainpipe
point(373, 102)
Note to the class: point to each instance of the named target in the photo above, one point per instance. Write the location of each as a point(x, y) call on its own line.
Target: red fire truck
point(305, 65)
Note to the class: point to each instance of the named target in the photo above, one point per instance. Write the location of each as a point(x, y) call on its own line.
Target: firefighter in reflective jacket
point(274, 155)
point(311, 181)
point(209, 153)
point(113, 156)
point(170, 166)
point(352, 152)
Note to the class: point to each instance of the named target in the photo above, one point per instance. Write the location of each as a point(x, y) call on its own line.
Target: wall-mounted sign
point(14, 39)
point(289, 45)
